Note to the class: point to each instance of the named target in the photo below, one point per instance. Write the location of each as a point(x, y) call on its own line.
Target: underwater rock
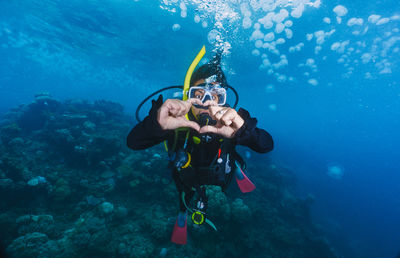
point(63, 137)
point(107, 185)
point(33, 116)
point(107, 174)
point(27, 174)
point(75, 119)
point(90, 237)
point(36, 181)
point(16, 142)
point(6, 183)
point(157, 156)
point(121, 212)
point(122, 248)
point(217, 202)
point(96, 116)
point(163, 252)
point(155, 223)
point(10, 131)
point(35, 223)
point(32, 245)
point(240, 211)
point(106, 207)
point(93, 201)
point(44, 97)
point(112, 110)
point(62, 189)
point(133, 243)
point(89, 126)
point(134, 183)
point(84, 183)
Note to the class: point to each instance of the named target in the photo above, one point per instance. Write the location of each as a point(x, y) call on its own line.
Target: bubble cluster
point(296, 48)
point(355, 21)
point(340, 10)
point(313, 82)
point(272, 107)
point(268, 22)
point(176, 27)
point(270, 88)
point(335, 171)
point(269, 25)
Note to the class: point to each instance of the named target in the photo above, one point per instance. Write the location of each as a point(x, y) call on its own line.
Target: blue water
point(332, 111)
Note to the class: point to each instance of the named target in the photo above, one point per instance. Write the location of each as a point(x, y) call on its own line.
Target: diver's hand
point(171, 115)
point(228, 122)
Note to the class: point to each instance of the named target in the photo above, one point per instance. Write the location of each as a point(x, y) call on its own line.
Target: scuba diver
point(200, 133)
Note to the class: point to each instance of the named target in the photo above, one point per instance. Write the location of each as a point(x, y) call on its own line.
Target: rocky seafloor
point(69, 187)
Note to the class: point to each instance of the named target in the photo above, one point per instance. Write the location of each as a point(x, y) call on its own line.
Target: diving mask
point(206, 91)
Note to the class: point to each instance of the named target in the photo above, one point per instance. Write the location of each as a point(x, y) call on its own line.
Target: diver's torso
point(204, 153)
point(210, 162)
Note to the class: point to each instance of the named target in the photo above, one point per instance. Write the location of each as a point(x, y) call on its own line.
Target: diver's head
point(210, 93)
point(208, 83)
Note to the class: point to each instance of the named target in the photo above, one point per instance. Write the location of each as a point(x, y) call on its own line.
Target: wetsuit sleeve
point(148, 132)
point(251, 136)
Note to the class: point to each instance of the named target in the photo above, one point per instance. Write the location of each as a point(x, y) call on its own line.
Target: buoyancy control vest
point(205, 159)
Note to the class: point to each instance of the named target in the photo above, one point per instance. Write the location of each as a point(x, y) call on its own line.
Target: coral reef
point(70, 188)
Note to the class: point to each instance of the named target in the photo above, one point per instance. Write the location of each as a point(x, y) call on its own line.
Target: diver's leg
point(179, 233)
point(185, 187)
point(188, 196)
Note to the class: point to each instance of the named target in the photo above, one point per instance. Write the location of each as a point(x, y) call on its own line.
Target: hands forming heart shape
point(171, 115)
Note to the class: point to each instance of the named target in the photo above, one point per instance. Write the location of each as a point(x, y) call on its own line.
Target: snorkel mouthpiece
point(205, 119)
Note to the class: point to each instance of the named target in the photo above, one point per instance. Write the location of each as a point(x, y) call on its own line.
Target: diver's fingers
point(167, 109)
point(183, 122)
point(194, 101)
point(183, 108)
point(180, 113)
point(209, 129)
point(209, 103)
point(214, 112)
point(170, 115)
point(186, 105)
point(221, 113)
point(175, 107)
point(225, 131)
point(228, 116)
point(171, 105)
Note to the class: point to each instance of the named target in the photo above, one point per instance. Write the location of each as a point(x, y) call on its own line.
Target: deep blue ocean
point(321, 76)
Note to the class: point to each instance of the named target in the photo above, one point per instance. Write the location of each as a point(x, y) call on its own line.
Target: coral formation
point(70, 188)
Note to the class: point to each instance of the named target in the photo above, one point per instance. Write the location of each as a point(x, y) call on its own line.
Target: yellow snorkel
point(186, 87)
point(189, 73)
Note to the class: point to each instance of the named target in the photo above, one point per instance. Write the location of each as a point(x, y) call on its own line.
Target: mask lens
point(199, 94)
point(219, 95)
point(206, 92)
point(196, 92)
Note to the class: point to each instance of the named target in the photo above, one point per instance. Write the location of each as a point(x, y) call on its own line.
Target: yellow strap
point(189, 159)
point(165, 145)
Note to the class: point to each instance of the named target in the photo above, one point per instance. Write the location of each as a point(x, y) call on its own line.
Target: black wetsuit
point(149, 133)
